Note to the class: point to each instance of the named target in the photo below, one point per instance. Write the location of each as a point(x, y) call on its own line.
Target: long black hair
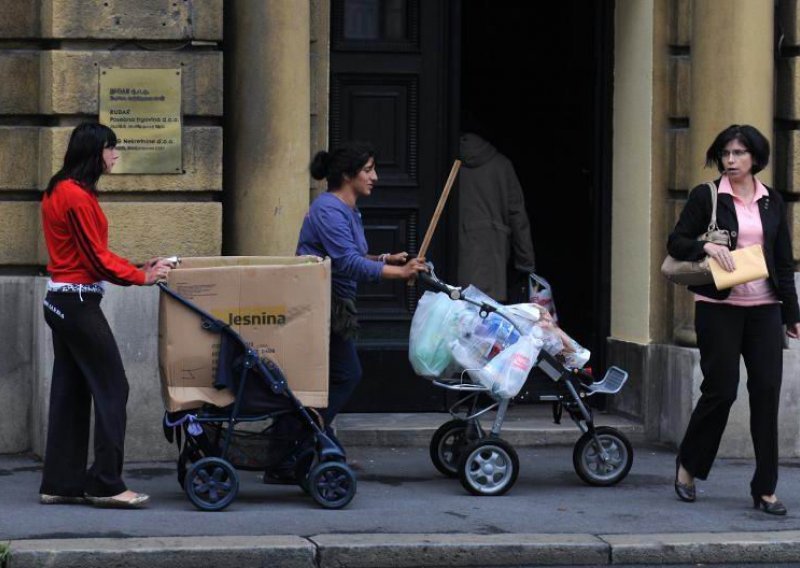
point(345, 160)
point(749, 136)
point(83, 161)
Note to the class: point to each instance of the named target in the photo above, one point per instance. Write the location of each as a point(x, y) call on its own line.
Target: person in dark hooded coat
point(493, 225)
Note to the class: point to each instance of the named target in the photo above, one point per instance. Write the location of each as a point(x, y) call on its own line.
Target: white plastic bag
point(505, 374)
point(541, 294)
point(431, 333)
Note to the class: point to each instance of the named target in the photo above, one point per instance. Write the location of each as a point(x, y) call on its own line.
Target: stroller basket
point(247, 450)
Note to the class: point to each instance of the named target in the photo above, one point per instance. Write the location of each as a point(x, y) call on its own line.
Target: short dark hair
point(83, 160)
point(345, 160)
point(755, 142)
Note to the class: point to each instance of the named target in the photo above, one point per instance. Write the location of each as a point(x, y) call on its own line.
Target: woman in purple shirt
point(333, 228)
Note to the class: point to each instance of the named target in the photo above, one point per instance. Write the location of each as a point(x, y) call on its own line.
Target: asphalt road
point(399, 491)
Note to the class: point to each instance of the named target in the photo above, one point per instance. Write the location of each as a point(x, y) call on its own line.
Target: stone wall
point(785, 142)
point(50, 54)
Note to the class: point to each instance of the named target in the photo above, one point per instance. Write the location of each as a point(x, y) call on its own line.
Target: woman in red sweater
point(87, 365)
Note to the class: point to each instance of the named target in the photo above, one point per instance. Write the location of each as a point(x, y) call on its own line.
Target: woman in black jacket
point(746, 320)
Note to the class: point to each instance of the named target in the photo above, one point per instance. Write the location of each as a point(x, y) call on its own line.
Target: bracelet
point(383, 257)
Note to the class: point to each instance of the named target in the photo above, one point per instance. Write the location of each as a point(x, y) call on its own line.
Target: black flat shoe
point(684, 491)
point(776, 508)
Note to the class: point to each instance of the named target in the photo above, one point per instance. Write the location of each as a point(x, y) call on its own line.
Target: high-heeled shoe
point(685, 491)
point(774, 508)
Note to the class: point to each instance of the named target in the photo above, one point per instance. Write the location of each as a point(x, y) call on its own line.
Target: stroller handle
point(432, 281)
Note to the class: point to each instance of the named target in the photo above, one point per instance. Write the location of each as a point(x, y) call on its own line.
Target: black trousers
point(345, 375)
point(725, 332)
point(87, 367)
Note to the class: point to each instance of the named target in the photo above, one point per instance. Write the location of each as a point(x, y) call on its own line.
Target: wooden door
point(389, 87)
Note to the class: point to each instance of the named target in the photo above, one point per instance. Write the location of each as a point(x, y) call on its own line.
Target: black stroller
point(488, 465)
point(214, 442)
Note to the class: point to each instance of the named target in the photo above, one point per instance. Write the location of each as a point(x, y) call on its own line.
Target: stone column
point(733, 73)
point(267, 125)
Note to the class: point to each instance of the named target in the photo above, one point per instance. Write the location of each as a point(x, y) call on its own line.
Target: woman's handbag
point(697, 273)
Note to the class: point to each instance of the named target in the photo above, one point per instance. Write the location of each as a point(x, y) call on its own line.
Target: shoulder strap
point(713, 189)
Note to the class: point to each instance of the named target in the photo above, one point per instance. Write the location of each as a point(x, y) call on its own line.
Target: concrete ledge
point(16, 363)
point(524, 426)
point(711, 548)
point(172, 552)
point(410, 550)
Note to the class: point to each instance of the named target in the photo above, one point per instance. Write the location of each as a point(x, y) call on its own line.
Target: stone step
point(525, 425)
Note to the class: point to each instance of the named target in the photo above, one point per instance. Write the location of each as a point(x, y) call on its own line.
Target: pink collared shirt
point(751, 232)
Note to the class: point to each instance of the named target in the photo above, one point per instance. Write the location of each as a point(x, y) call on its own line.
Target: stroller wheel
point(488, 467)
point(603, 466)
point(332, 484)
point(211, 484)
point(448, 443)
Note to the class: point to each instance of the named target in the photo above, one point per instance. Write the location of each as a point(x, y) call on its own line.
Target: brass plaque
point(143, 108)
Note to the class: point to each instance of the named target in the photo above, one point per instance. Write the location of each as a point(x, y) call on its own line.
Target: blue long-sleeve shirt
point(332, 228)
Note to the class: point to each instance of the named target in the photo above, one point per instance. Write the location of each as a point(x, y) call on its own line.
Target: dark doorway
point(535, 79)
point(389, 69)
point(535, 82)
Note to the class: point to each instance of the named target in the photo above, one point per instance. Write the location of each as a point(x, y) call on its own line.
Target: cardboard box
point(280, 305)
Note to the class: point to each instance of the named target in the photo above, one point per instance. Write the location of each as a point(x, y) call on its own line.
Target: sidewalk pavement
point(405, 514)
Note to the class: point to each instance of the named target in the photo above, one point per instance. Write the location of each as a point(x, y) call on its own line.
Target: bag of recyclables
point(451, 336)
point(428, 344)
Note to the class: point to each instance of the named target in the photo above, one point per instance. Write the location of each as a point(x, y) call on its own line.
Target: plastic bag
point(574, 355)
point(478, 340)
point(560, 345)
point(505, 374)
point(471, 345)
point(541, 294)
point(431, 333)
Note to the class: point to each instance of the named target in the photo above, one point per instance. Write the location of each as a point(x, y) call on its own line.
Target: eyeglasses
point(735, 153)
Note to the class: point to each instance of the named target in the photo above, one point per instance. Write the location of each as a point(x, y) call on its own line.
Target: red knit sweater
point(76, 233)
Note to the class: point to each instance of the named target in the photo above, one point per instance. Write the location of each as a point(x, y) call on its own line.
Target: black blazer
point(695, 217)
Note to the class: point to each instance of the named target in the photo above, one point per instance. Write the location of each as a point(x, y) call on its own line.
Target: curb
point(409, 550)
point(706, 548)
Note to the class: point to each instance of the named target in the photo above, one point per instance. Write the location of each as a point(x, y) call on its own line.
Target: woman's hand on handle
point(407, 271)
point(156, 269)
point(397, 259)
point(793, 330)
point(721, 254)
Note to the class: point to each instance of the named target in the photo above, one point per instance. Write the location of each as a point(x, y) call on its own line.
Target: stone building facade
point(255, 106)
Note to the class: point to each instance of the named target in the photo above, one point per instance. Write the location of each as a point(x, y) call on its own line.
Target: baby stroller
point(488, 465)
point(214, 442)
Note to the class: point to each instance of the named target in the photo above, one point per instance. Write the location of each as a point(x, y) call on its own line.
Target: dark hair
point(345, 160)
point(749, 136)
point(83, 160)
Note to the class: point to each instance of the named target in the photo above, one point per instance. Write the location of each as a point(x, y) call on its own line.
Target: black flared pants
point(724, 332)
point(87, 367)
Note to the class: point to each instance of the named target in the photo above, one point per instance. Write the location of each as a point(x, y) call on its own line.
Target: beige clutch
point(750, 265)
